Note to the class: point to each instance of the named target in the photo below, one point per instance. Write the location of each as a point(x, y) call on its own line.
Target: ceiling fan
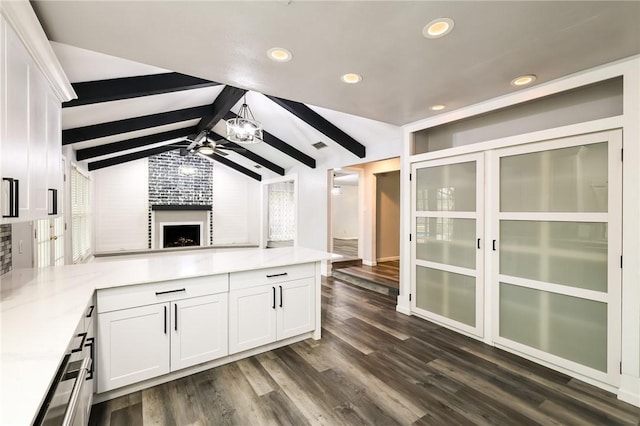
point(209, 146)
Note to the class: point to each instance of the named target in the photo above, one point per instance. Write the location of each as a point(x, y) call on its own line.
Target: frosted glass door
point(557, 252)
point(447, 242)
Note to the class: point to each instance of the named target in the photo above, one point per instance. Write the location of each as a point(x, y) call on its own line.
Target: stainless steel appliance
point(70, 395)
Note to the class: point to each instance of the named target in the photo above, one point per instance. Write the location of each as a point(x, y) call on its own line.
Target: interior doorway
point(345, 214)
point(387, 216)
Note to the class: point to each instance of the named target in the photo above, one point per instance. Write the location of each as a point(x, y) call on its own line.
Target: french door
point(447, 242)
point(556, 220)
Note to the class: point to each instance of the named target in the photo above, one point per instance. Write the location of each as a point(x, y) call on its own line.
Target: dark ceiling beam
point(221, 106)
point(253, 157)
point(114, 161)
point(92, 92)
point(112, 148)
point(321, 124)
point(235, 166)
point(95, 165)
point(282, 146)
point(80, 134)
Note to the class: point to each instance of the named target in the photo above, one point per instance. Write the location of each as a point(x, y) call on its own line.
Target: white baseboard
point(388, 259)
point(369, 262)
point(629, 390)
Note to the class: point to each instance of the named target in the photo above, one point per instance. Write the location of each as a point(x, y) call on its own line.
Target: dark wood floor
point(373, 366)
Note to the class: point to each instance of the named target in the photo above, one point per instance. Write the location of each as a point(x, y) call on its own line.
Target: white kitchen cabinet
point(140, 343)
point(133, 345)
point(267, 313)
point(296, 313)
point(30, 135)
point(252, 318)
point(198, 330)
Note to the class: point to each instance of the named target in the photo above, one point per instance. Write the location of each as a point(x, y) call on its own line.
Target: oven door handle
point(70, 412)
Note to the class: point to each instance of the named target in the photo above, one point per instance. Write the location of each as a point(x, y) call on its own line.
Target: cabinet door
point(15, 121)
point(252, 318)
point(133, 345)
point(296, 308)
point(37, 145)
point(198, 330)
point(54, 148)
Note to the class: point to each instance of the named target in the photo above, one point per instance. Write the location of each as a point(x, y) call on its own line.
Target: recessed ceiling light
point(279, 54)
point(351, 78)
point(523, 80)
point(438, 28)
point(437, 107)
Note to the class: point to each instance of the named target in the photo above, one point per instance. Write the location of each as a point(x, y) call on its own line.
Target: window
point(282, 210)
point(80, 216)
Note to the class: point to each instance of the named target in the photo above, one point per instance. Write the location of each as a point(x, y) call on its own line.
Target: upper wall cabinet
point(30, 128)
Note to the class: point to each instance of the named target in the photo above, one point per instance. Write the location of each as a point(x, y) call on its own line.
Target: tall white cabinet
point(32, 89)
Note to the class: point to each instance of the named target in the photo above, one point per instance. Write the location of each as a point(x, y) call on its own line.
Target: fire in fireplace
point(180, 235)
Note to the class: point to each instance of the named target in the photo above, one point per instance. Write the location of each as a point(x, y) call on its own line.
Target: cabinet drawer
point(246, 279)
point(113, 299)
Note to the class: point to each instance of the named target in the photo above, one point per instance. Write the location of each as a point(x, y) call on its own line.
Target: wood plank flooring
point(373, 366)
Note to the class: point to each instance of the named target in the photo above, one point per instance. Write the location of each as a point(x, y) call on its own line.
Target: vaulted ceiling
point(191, 60)
point(127, 111)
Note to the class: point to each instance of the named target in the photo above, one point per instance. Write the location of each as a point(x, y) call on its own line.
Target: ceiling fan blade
point(218, 152)
point(232, 148)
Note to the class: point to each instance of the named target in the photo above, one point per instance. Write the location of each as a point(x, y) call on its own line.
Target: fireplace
point(180, 226)
point(181, 235)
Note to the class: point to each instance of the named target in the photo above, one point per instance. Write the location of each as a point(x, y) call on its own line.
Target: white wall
point(120, 208)
point(236, 207)
point(344, 212)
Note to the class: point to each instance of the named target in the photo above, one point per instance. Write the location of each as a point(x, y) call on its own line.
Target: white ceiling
point(403, 72)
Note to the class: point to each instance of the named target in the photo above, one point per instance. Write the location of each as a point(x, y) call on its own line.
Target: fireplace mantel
point(178, 207)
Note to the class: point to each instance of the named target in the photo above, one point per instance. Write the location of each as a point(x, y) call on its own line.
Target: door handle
point(175, 310)
point(165, 320)
point(478, 243)
point(280, 295)
point(494, 245)
point(274, 297)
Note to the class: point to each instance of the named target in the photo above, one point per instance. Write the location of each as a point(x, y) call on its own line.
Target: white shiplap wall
point(236, 207)
point(120, 209)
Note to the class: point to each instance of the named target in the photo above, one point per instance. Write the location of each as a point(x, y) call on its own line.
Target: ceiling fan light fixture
point(244, 128)
point(438, 28)
point(206, 149)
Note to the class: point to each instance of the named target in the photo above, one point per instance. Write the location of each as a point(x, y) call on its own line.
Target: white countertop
point(40, 309)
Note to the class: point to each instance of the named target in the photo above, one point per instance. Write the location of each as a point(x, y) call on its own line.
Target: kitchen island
point(40, 308)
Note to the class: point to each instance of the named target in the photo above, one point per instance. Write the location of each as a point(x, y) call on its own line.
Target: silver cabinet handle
point(70, 412)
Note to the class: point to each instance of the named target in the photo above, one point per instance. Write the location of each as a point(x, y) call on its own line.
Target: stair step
point(378, 287)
